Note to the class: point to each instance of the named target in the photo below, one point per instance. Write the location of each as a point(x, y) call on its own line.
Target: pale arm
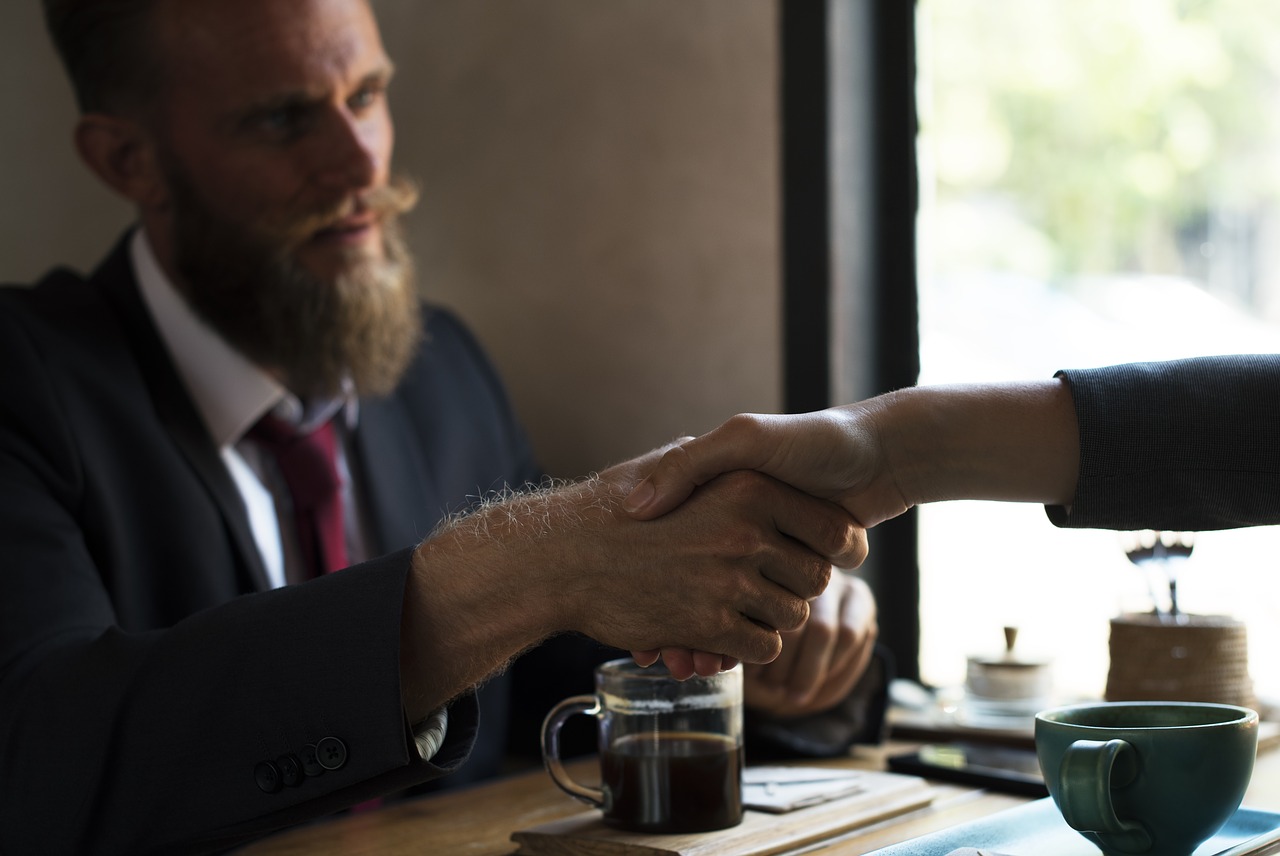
point(877, 458)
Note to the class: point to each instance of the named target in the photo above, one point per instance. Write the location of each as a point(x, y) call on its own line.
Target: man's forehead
point(245, 46)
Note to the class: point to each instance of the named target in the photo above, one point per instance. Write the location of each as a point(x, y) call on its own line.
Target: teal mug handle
point(1090, 770)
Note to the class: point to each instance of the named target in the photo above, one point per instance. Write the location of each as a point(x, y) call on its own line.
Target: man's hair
point(106, 51)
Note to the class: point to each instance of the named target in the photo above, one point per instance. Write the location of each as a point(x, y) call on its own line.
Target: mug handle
point(584, 704)
point(1090, 770)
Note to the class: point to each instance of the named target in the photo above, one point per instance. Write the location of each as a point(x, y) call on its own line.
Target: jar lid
point(1008, 659)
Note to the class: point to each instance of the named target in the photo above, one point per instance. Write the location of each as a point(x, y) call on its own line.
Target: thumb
point(742, 442)
point(670, 483)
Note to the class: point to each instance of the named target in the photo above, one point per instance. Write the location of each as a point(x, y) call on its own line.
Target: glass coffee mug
point(671, 752)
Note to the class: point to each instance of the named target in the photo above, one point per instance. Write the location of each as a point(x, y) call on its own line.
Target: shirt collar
point(230, 391)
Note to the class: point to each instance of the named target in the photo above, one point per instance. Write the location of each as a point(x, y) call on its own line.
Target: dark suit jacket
point(145, 672)
point(1184, 445)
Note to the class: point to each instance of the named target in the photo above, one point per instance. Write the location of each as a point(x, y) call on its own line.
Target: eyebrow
point(380, 76)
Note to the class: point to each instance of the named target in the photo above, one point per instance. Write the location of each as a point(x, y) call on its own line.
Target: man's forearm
point(476, 596)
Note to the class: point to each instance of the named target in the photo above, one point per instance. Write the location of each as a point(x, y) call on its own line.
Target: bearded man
point(178, 671)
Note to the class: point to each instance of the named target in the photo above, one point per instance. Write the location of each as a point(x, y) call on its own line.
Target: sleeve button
point(267, 775)
point(331, 753)
point(310, 761)
point(290, 770)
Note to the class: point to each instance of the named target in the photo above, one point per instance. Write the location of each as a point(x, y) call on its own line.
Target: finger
point(679, 662)
point(855, 643)
point(749, 641)
point(645, 659)
point(815, 648)
point(822, 526)
point(854, 553)
point(774, 675)
point(860, 612)
point(824, 529)
point(706, 664)
point(773, 607)
point(740, 443)
point(760, 696)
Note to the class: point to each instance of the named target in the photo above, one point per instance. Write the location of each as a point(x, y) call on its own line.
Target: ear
point(123, 154)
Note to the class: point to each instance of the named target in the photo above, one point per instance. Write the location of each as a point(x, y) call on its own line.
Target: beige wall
point(600, 200)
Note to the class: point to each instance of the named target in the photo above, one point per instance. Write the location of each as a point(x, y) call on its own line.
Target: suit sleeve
point(1183, 445)
point(165, 740)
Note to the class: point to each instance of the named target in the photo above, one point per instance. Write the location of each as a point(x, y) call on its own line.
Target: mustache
point(386, 203)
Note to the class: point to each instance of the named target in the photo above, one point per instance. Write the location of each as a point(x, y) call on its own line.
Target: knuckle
point(738, 541)
point(819, 578)
point(740, 484)
point(743, 426)
point(859, 549)
point(794, 614)
point(840, 534)
point(846, 637)
point(769, 647)
point(850, 542)
point(824, 631)
point(837, 535)
point(677, 458)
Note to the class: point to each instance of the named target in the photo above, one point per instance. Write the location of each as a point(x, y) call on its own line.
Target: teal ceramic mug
point(1148, 778)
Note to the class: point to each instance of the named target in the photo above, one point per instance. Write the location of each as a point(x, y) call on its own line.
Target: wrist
point(476, 595)
point(893, 424)
point(1005, 442)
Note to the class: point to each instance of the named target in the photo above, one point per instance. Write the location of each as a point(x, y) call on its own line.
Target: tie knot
point(307, 461)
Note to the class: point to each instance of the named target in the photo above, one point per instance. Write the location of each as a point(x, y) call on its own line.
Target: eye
point(365, 98)
point(281, 122)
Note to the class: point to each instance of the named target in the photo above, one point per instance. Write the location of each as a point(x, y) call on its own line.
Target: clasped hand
point(821, 660)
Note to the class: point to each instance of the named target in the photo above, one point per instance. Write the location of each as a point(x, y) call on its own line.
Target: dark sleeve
point(1183, 445)
point(860, 718)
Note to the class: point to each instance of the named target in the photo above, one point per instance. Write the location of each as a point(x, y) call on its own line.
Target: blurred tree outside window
point(1100, 183)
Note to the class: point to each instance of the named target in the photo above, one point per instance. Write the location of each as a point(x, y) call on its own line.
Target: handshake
point(872, 460)
point(720, 548)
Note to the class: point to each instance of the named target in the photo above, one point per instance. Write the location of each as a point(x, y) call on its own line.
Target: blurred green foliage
point(1102, 134)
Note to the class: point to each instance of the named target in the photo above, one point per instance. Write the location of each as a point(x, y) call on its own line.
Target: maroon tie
point(308, 463)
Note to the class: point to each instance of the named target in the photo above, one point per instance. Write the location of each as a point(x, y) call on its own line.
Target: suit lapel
point(397, 482)
point(176, 411)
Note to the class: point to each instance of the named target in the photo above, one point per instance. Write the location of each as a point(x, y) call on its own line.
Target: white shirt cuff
point(428, 735)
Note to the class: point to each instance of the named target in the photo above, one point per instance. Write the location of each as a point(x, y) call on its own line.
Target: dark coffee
point(676, 782)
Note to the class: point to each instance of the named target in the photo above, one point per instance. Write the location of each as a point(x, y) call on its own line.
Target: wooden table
point(480, 820)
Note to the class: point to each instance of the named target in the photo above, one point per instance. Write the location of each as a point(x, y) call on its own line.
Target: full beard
point(314, 333)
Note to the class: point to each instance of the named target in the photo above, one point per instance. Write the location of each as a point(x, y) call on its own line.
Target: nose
point(353, 153)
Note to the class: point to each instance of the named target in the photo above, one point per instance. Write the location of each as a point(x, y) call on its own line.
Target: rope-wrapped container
point(1196, 658)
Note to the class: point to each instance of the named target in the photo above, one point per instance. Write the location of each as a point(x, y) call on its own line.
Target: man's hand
point(822, 661)
point(729, 571)
point(742, 556)
point(833, 454)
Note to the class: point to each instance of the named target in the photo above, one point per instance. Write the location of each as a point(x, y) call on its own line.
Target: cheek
point(258, 193)
point(381, 143)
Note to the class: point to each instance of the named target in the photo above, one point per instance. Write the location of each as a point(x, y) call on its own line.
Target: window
point(1099, 183)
